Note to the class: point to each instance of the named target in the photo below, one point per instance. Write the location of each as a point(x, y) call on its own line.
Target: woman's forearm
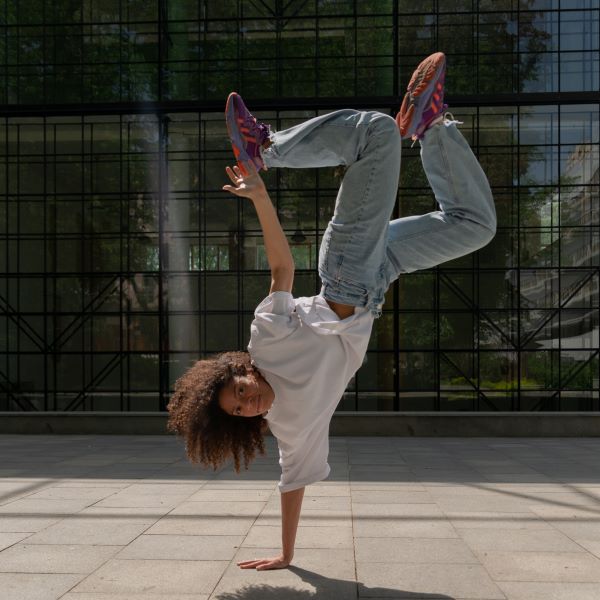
point(277, 248)
point(291, 503)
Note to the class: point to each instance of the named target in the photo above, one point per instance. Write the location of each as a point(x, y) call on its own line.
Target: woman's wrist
point(261, 196)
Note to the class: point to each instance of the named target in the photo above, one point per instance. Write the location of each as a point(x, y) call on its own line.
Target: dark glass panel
point(382, 335)
point(221, 332)
point(417, 370)
point(501, 251)
point(539, 370)
point(31, 294)
point(456, 290)
point(456, 330)
point(106, 334)
point(579, 247)
point(375, 375)
point(190, 300)
point(255, 290)
point(458, 371)
point(70, 373)
point(416, 330)
point(184, 333)
point(498, 330)
point(498, 289)
point(417, 290)
point(143, 372)
point(538, 288)
point(498, 370)
point(220, 292)
point(142, 333)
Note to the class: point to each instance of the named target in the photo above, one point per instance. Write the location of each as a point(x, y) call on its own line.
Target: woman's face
point(246, 396)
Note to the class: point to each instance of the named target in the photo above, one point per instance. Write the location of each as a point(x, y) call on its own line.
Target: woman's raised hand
point(248, 185)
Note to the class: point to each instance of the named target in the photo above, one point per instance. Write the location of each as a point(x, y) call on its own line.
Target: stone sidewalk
point(127, 517)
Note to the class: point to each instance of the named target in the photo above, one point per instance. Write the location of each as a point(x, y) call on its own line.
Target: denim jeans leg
point(467, 219)
point(353, 249)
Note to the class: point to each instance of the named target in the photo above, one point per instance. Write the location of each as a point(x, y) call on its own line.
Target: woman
point(304, 351)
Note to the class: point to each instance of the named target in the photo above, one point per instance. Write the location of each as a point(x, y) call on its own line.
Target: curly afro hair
point(211, 435)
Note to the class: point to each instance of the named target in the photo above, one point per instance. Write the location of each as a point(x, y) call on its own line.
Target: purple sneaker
point(247, 134)
point(423, 102)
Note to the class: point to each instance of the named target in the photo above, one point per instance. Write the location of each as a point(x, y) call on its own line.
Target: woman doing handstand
point(304, 351)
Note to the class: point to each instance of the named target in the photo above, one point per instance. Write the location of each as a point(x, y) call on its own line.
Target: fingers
point(262, 565)
point(250, 564)
point(231, 174)
point(229, 188)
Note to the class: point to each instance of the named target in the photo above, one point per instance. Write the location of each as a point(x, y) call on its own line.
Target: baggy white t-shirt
point(308, 356)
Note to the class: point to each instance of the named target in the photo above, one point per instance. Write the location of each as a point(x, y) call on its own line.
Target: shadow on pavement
point(325, 588)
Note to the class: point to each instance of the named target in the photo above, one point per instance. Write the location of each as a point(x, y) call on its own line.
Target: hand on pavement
point(263, 564)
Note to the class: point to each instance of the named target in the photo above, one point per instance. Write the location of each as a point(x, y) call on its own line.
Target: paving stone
point(324, 503)
point(33, 586)
point(591, 546)
point(231, 495)
point(312, 518)
point(55, 558)
point(41, 506)
point(380, 509)
point(482, 504)
point(541, 566)
point(198, 525)
point(31, 523)
point(511, 540)
point(413, 527)
point(493, 520)
point(412, 581)
point(131, 596)
point(407, 550)
point(9, 539)
point(306, 537)
point(221, 509)
point(154, 577)
point(92, 530)
point(182, 547)
point(327, 489)
point(126, 499)
point(392, 496)
point(93, 494)
point(525, 590)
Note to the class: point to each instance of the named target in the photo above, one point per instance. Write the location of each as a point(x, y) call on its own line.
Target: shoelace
point(253, 131)
point(446, 121)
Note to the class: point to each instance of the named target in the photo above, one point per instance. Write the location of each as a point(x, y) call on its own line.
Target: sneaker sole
point(419, 92)
point(237, 142)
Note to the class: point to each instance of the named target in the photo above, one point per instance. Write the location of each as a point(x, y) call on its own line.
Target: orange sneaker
point(423, 102)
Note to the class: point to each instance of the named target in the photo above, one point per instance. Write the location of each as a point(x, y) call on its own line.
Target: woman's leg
point(353, 248)
point(466, 220)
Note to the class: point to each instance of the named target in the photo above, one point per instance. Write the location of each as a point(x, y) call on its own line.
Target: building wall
point(122, 261)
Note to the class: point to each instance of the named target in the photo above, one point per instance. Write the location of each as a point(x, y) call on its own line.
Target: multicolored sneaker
point(423, 102)
point(247, 134)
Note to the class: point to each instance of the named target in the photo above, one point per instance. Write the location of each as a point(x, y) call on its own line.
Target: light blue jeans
point(362, 252)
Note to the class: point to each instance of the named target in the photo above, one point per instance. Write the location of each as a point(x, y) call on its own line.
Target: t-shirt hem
point(290, 487)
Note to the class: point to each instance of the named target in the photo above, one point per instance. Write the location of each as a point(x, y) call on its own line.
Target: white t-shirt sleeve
point(274, 320)
point(305, 463)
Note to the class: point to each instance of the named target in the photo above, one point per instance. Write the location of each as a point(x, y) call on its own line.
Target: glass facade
point(122, 261)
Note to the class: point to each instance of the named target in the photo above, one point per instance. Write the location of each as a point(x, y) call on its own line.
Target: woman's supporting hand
point(248, 185)
point(263, 564)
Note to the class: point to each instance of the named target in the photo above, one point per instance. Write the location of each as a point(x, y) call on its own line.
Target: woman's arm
point(277, 248)
point(291, 504)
